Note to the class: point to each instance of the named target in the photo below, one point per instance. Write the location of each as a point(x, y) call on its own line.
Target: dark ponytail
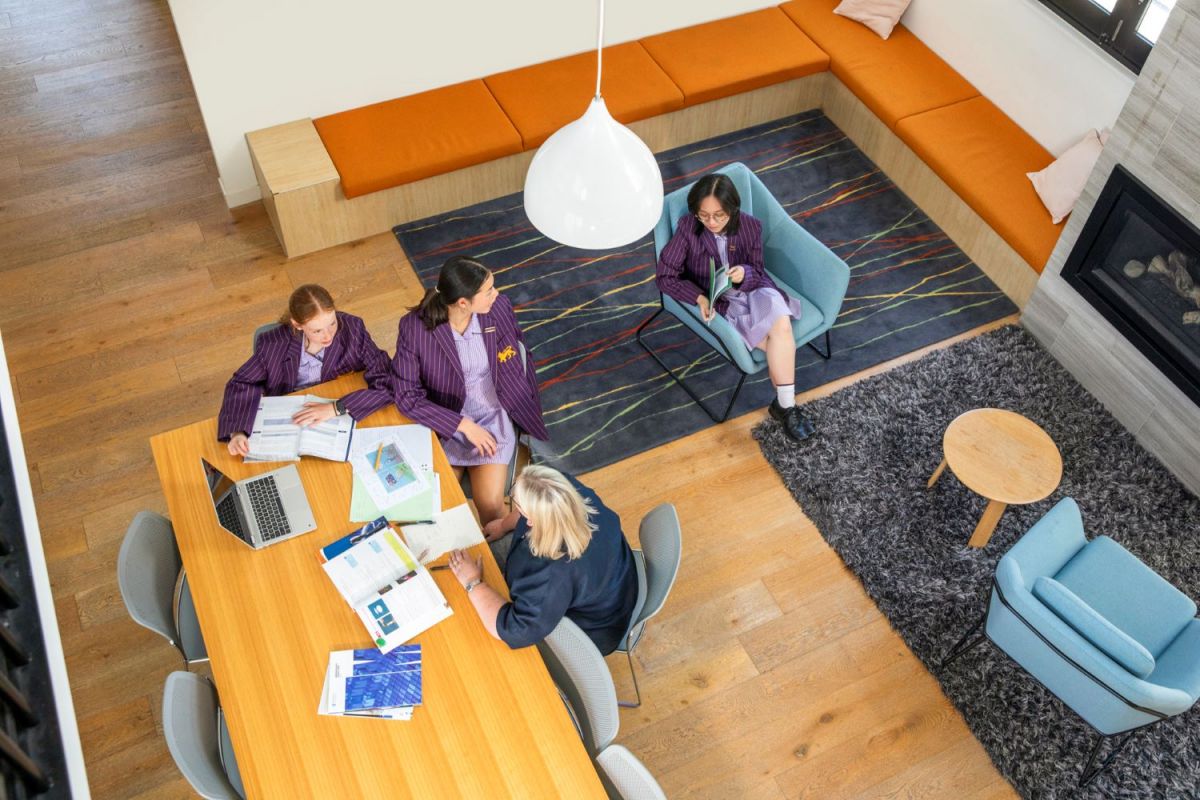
point(461, 277)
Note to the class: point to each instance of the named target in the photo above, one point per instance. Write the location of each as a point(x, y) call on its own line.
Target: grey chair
point(155, 587)
point(658, 565)
point(582, 677)
point(259, 331)
point(198, 739)
point(626, 778)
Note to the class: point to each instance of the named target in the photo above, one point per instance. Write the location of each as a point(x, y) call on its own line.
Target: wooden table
point(1004, 457)
point(492, 724)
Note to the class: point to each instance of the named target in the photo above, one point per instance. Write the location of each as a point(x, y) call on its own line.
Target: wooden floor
point(128, 293)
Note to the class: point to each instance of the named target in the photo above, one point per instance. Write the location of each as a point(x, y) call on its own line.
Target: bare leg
point(487, 490)
point(780, 348)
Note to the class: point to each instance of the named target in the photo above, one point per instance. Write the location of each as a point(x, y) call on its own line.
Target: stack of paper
point(367, 683)
point(416, 443)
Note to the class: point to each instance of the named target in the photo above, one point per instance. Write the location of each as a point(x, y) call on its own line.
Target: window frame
point(1127, 47)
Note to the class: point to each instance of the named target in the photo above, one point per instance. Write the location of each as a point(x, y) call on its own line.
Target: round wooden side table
point(1002, 456)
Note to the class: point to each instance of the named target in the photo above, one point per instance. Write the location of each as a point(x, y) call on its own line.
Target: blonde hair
point(558, 515)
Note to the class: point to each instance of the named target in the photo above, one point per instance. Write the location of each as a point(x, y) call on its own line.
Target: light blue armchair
point(1097, 627)
point(799, 264)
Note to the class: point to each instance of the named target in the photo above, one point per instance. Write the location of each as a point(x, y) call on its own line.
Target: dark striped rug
point(604, 398)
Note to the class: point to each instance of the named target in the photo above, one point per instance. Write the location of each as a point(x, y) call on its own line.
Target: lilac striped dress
point(753, 313)
point(481, 405)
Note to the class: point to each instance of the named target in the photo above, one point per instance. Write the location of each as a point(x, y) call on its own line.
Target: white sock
point(786, 395)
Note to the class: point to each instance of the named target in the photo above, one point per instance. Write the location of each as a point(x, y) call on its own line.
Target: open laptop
point(262, 510)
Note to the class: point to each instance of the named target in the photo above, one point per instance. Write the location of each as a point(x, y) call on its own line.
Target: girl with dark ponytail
point(313, 343)
point(460, 369)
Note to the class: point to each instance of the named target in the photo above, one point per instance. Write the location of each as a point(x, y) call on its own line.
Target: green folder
point(362, 507)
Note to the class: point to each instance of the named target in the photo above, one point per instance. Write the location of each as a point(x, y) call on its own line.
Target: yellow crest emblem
point(505, 354)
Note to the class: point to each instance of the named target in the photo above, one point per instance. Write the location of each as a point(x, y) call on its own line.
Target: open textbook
point(393, 594)
point(718, 281)
point(276, 438)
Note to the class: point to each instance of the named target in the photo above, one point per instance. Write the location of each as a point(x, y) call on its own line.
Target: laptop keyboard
point(267, 508)
point(227, 515)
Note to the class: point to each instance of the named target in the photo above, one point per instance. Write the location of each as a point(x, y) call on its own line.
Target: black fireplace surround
point(1137, 261)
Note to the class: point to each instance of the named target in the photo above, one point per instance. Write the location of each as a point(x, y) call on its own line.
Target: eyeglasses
point(718, 217)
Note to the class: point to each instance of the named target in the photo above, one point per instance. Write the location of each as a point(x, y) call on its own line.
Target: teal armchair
point(799, 264)
point(1106, 634)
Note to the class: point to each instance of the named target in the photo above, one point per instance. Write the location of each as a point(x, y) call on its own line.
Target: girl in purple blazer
point(459, 370)
point(313, 343)
point(755, 307)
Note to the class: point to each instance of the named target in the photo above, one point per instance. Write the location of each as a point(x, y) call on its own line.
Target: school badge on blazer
point(505, 354)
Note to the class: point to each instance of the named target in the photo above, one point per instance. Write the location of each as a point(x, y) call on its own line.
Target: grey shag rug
point(862, 478)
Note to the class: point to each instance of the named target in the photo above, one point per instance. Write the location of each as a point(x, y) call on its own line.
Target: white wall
point(256, 63)
point(1025, 59)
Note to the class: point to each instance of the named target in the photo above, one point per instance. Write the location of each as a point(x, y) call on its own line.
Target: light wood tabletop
point(1002, 456)
point(491, 725)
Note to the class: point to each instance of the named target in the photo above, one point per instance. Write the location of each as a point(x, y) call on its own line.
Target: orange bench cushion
point(983, 156)
point(399, 141)
point(734, 55)
point(544, 97)
point(895, 78)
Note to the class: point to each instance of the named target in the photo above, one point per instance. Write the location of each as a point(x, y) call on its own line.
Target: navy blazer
point(682, 271)
point(597, 591)
point(273, 368)
point(428, 378)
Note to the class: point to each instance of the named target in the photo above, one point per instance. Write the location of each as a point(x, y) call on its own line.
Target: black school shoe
point(797, 426)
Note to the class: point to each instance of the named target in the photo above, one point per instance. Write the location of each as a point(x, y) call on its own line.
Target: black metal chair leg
point(1091, 769)
point(695, 397)
point(828, 350)
point(969, 640)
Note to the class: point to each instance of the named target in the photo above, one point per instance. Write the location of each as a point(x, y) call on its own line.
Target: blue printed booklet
point(368, 683)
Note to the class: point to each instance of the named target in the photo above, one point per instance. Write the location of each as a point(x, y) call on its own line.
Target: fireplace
point(1138, 262)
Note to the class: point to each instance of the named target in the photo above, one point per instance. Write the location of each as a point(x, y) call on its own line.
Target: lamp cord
point(599, 47)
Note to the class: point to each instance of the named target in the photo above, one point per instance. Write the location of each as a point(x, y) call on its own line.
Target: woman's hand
point(314, 413)
point(465, 568)
point(706, 312)
point(239, 445)
point(484, 442)
point(495, 529)
point(737, 274)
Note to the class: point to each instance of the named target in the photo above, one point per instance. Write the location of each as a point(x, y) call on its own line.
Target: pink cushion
point(878, 15)
point(1060, 184)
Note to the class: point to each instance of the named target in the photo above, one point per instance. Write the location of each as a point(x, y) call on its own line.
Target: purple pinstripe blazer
point(273, 367)
point(682, 269)
point(429, 381)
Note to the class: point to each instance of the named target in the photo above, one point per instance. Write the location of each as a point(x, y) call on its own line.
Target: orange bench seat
point(734, 55)
point(399, 141)
point(895, 78)
point(542, 98)
point(983, 156)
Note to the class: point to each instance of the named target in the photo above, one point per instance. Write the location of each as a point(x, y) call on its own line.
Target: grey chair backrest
point(192, 732)
point(662, 546)
point(189, 637)
point(259, 331)
point(147, 570)
point(626, 778)
point(581, 675)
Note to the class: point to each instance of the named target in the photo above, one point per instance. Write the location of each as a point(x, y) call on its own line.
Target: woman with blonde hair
point(566, 556)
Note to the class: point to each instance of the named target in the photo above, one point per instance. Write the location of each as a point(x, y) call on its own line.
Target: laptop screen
point(224, 499)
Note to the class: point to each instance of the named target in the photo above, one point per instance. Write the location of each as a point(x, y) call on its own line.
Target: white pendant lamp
point(594, 184)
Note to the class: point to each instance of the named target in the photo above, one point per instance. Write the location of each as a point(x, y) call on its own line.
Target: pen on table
point(378, 455)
